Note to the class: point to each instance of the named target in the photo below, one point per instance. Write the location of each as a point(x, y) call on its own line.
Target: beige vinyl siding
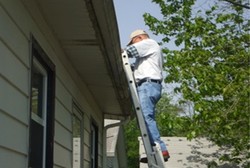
point(62, 115)
point(62, 156)
point(13, 127)
point(8, 59)
point(10, 159)
point(14, 37)
point(13, 139)
point(63, 137)
point(14, 86)
point(63, 95)
point(13, 102)
point(13, 134)
point(63, 127)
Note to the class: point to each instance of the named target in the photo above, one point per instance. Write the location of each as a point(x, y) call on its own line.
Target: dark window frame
point(93, 124)
point(38, 53)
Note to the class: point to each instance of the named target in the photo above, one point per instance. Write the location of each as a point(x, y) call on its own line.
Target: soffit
point(90, 40)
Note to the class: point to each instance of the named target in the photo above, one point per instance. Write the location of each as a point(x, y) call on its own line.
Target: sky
point(129, 17)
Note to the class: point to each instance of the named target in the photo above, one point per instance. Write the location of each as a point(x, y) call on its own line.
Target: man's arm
point(132, 51)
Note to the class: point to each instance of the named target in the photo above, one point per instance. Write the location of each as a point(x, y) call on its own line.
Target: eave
point(88, 33)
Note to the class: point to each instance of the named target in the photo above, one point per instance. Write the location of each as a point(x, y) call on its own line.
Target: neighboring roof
point(88, 33)
point(190, 154)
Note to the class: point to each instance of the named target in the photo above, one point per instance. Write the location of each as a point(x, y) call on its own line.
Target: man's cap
point(136, 33)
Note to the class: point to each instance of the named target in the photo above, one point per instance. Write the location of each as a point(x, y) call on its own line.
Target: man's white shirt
point(149, 60)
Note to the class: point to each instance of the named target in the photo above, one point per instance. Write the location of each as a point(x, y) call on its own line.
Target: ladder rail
point(155, 159)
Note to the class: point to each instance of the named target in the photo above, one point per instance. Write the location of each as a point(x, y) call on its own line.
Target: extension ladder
point(154, 155)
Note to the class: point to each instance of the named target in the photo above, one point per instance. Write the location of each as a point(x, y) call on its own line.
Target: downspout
point(125, 121)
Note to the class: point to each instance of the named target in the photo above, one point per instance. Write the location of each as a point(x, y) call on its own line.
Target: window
point(42, 109)
point(38, 93)
point(77, 122)
point(94, 145)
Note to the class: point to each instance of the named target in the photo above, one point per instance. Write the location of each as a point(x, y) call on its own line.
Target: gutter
point(122, 122)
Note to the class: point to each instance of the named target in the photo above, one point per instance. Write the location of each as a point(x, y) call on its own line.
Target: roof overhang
point(88, 33)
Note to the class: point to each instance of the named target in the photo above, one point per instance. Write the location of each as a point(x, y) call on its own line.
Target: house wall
point(18, 20)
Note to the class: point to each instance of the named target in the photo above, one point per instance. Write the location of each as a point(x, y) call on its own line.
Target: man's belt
point(147, 80)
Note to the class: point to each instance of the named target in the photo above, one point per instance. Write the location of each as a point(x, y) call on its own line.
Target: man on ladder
point(148, 77)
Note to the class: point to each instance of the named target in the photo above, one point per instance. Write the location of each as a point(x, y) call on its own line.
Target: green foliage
point(132, 133)
point(168, 118)
point(212, 68)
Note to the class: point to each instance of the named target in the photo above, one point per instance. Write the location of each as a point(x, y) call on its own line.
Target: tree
point(132, 133)
point(169, 119)
point(212, 68)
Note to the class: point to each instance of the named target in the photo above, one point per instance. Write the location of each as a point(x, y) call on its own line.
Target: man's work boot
point(144, 158)
point(165, 155)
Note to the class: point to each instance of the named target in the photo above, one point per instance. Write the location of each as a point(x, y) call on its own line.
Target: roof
point(196, 153)
point(88, 33)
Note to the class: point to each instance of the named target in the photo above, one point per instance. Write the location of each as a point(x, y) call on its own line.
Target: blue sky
point(129, 17)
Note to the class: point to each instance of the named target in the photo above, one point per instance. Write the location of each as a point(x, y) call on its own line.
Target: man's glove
point(132, 67)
